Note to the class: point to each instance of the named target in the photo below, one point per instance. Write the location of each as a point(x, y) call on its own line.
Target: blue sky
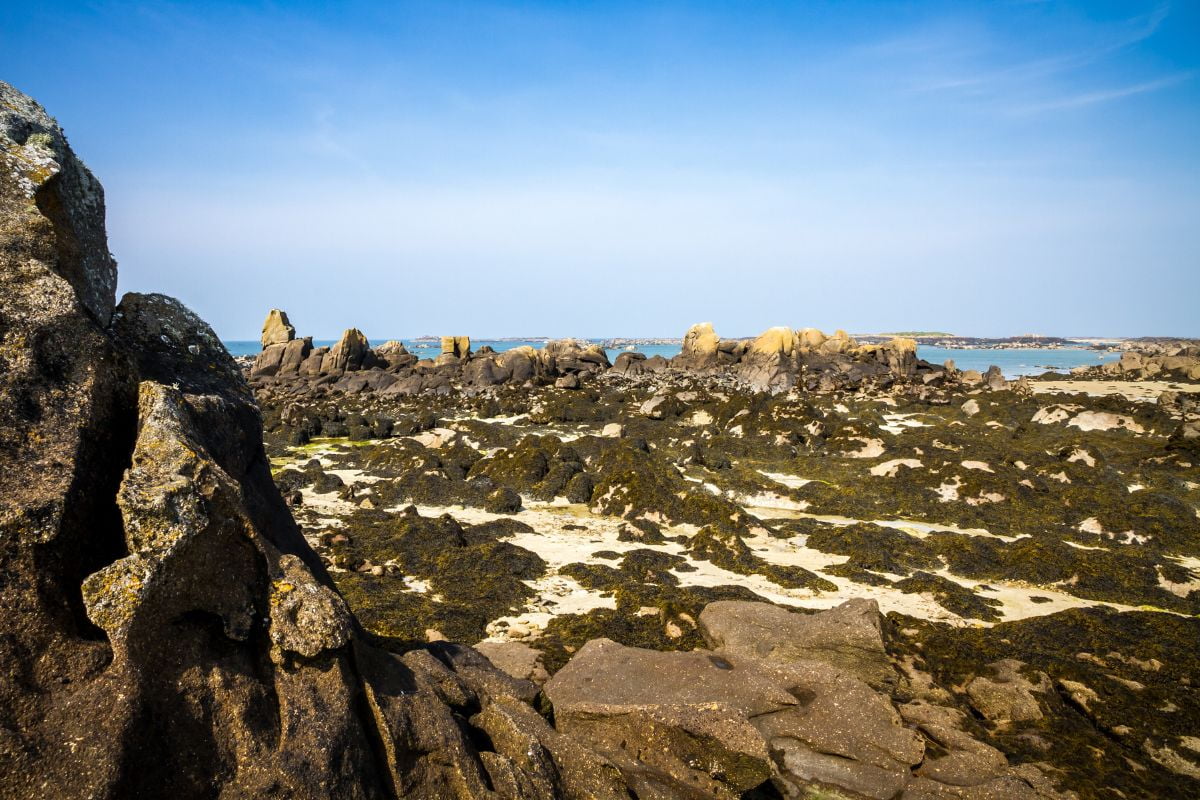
point(600, 169)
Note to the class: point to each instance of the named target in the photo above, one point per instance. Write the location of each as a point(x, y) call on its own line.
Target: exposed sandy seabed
point(1145, 391)
point(558, 547)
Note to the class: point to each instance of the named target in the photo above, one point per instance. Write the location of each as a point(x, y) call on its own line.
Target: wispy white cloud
point(986, 66)
point(1103, 95)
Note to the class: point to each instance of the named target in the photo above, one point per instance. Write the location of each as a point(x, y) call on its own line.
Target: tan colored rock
point(840, 342)
point(277, 329)
point(458, 346)
point(556, 765)
point(810, 339)
point(348, 354)
point(700, 345)
point(773, 341)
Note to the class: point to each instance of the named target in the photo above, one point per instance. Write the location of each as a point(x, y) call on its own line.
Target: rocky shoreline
point(797, 566)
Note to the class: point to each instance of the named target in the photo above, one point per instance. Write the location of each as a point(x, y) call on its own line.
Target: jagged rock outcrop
point(777, 360)
point(277, 329)
point(53, 207)
point(165, 629)
point(457, 346)
point(354, 367)
point(350, 353)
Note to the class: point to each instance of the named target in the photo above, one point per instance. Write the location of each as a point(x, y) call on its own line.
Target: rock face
point(699, 347)
point(348, 354)
point(277, 329)
point(165, 629)
point(847, 636)
point(775, 715)
point(53, 208)
point(457, 346)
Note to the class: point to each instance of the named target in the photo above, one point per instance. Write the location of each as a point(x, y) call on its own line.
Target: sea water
point(1013, 362)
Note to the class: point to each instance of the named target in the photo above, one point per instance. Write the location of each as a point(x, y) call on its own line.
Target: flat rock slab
point(848, 636)
point(711, 721)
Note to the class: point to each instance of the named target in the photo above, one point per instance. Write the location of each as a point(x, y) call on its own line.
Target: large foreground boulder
point(165, 629)
point(727, 724)
point(780, 709)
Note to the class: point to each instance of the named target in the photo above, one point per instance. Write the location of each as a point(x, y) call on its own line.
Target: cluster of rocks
point(777, 360)
point(352, 365)
point(792, 699)
point(1180, 361)
point(781, 358)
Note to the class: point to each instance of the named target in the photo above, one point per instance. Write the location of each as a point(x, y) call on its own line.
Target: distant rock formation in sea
point(777, 360)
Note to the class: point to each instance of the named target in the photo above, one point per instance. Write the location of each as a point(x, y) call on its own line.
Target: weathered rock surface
point(847, 636)
point(277, 329)
point(165, 629)
point(709, 724)
point(53, 208)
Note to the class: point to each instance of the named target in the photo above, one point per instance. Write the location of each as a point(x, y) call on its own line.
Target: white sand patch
point(415, 584)
point(871, 448)
point(328, 506)
point(1016, 602)
point(1185, 588)
point(889, 469)
point(1104, 421)
point(947, 492)
point(1079, 455)
point(1093, 526)
point(352, 476)
point(981, 466)
point(509, 420)
point(790, 481)
point(909, 526)
point(1052, 415)
point(984, 498)
point(889, 599)
point(556, 595)
point(896, 423)
point(1140, 391)
point(435, 437)
point(1015, 597)
point(770, 501)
